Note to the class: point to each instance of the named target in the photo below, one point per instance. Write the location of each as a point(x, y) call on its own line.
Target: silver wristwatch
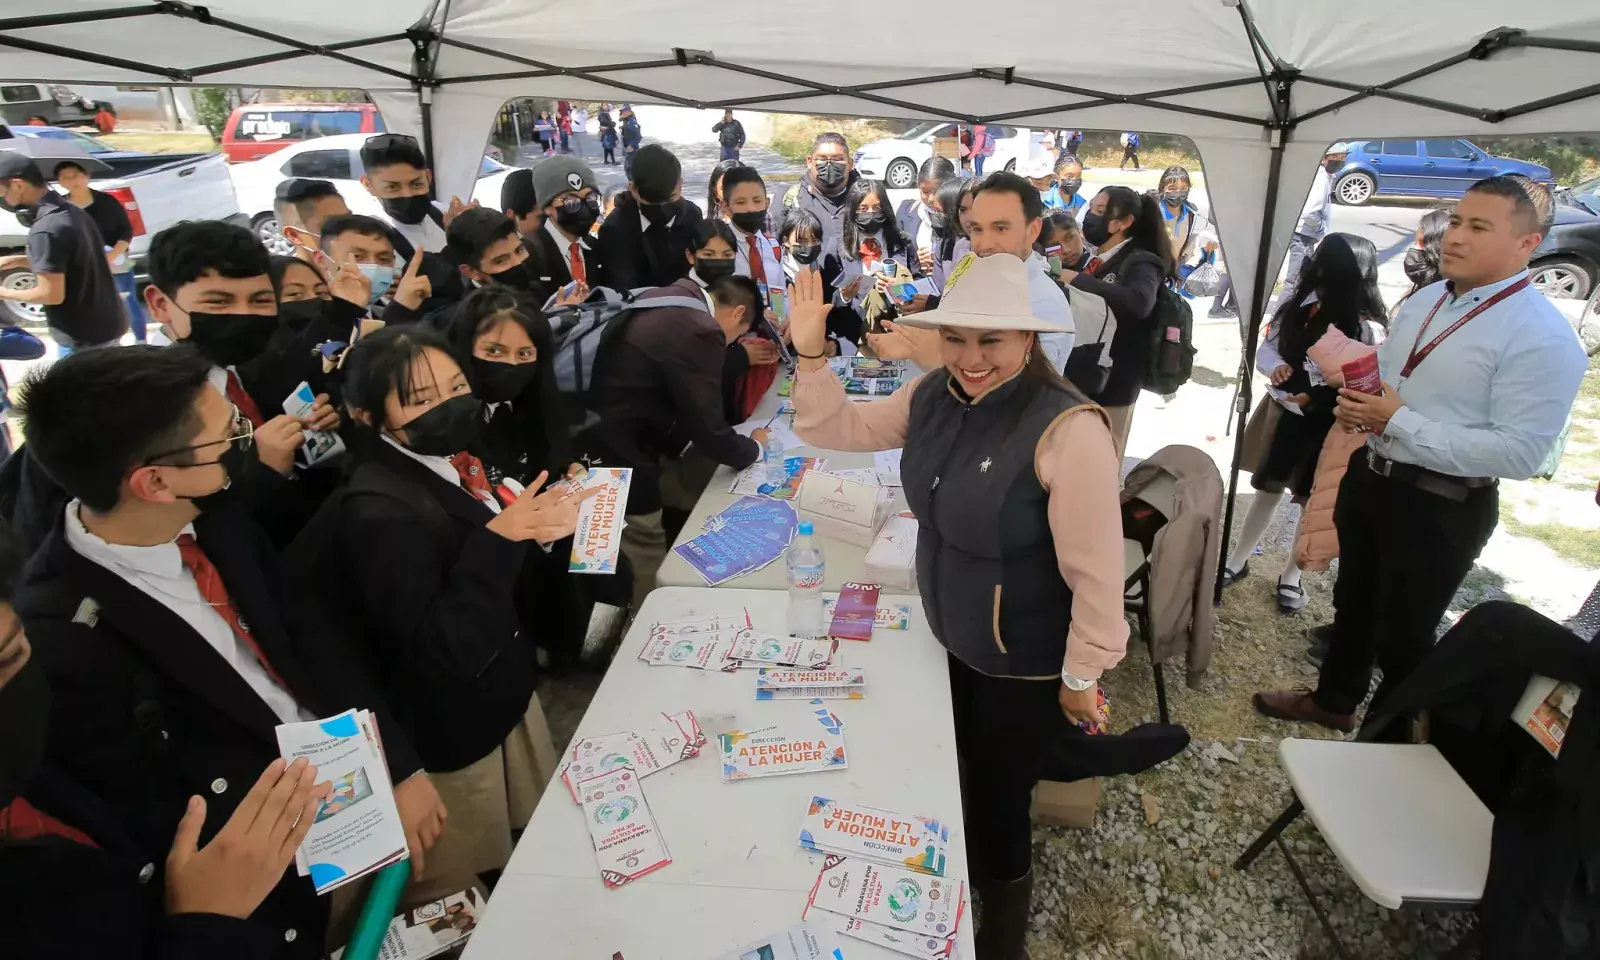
point(1074, 684)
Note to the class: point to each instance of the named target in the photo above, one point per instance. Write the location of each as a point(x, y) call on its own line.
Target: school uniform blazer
point(436, 607)
point(552, 268)
point(146, 714)
point(625, 263)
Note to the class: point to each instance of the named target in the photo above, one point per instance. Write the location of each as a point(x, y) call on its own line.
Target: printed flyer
point(794, 746)
point(896, 616)
point(755, 649)
point(789, 684)
point(598, 539)
point(803, 941)
point(855, 612)
point(901, 899)
point(855, 830)
point(900, 941)
point(645, 751)
point(626, 841)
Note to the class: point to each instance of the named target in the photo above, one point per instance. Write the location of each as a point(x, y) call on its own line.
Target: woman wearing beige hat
point(1012, 475)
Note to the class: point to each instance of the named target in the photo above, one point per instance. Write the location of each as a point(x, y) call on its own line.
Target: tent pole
point(1247, 360)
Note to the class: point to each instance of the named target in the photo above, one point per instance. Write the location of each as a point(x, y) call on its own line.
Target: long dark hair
point(713, 208)
point(949, 200)
point(1434, 223)
point(1149, 229)
point(1343, 273)
point(894, 242)
point(383, 363)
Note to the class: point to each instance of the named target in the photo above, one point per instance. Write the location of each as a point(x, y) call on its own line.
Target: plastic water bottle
point(807, 571)
point(772, 453)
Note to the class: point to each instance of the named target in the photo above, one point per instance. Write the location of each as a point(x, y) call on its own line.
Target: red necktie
point(473, 479)
point(21, 820)
point(1092, 268)
point(215, 593)
point(758, 270)
point(871, 252)
point(238, 397)
point(575, 263)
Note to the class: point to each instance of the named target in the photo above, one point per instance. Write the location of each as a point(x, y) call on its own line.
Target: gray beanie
point(558, 175)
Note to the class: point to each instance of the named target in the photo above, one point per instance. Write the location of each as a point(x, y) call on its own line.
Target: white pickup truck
point(157, 189)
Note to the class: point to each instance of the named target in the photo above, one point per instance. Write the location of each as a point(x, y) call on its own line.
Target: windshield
point(491, 165)
point(89, 144)
point(922, 129)
point(1587, 195)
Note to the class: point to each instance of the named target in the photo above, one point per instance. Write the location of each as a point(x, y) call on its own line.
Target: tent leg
point(1248, 350)
point(425, 102)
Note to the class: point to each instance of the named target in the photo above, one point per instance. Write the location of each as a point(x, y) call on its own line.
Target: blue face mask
point(381, 277)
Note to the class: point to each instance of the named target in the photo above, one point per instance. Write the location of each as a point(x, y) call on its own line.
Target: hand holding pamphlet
point(598, 537)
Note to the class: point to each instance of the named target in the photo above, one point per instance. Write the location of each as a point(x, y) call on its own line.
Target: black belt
point(1429, 481)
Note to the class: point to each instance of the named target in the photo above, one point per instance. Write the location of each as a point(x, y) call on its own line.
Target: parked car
point(337, 160)
point(1585, 195)
point(895, 160)
point(1567, 264)
point(1437, 167)
point(256, 130)
point(58, 104)
point(157, 190)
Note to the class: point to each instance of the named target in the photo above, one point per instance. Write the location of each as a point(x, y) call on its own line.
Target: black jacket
point(630, 259)
point(432, 592)
point(146, 714)
point(550, 260)
point(1128, 282)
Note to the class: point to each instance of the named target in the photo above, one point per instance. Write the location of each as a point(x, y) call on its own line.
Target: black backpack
point(1172, 342)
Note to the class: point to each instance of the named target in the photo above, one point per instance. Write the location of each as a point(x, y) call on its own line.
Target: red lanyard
point(1417, 356)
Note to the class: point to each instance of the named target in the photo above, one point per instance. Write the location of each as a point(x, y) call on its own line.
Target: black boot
point(1003, 934)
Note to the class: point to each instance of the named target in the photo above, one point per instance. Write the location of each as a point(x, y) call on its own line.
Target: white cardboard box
point(842, 508)
point(891, 561)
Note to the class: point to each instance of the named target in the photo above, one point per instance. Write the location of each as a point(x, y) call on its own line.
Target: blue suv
point(1437, 167)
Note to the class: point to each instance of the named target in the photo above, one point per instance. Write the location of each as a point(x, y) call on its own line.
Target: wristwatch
point(1074, 684)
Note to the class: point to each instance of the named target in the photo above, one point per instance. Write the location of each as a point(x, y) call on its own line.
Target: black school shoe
point(1231, 577)
point(1079, 756)
point(1291, 598)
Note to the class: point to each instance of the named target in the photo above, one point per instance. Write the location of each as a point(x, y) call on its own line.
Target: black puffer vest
point(986, 562)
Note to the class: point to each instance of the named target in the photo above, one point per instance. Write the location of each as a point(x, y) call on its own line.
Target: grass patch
point(792, 134)
point(1577, 544)
point(200, 142)
point(1157, 158)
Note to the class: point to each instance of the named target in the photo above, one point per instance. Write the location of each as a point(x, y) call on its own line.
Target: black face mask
point(805, 253)
point(576, 215)
point(519, 276)
point(299, 314)
point(1094, 228)
point(657, 214)
point(711, 270)
point(447, 429)
point(407, 210)
point(1175, 199)
point(24, 713)
point(1069, 188)
point(1332, 166)
point(229, 339)
point(831, 175)
point(870, 222)
point(750, 221)
point(235, 461)
point(497, 382)
point(1418, 270)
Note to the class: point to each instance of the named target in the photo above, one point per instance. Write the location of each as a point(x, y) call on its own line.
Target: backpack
point(1172, 343)
point(986, 147)
point(1088, 366)
point(583, 334)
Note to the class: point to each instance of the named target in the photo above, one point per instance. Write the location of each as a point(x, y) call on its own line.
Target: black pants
point(610, 154)
point(1403, 553)
point(1129, 153)
point(1004, 731)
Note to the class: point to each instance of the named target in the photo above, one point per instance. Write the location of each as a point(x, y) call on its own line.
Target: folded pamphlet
point(357, 829)
point(912, 842)
point(644, 751)
point(902, 899)
point(900, 941)
point(598, 537)
point(752, 480)
point(430, 929)
point(793, 746)
point(783, 683)
point(755, 649)
point(627, 843)
point(803, 941)
point(318, 445)
point(745, 536)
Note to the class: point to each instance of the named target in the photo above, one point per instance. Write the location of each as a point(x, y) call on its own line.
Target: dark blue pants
point(730, 153)
point(130, 299)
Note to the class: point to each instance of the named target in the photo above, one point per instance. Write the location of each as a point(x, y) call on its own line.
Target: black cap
point(14, 164)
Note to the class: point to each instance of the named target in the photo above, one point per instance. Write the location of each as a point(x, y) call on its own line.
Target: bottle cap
point(806, 529)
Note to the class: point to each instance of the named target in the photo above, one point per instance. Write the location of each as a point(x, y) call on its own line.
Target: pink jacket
point(1318, 542)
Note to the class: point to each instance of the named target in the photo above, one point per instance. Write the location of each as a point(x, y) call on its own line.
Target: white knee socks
point(1263, 507)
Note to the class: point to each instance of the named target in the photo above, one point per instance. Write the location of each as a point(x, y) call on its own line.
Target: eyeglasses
point(240, 429)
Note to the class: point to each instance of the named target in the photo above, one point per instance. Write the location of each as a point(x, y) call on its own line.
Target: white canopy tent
point(1260, 87)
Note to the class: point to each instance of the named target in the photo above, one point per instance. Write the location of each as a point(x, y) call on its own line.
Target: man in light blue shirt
point(1478, 376)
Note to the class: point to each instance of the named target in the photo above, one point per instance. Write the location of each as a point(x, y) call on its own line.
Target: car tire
point(900, 174)
point(20, 314)
point(1011, 165)
point(1562, 278)
point(1589, 323)
point(1355, 189)
point(266, 230)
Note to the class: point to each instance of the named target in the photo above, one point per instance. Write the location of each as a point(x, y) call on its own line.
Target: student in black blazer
point(429, 560)
point(162, 618)
point(566, 191)
point(920, 219)
point(646, 239)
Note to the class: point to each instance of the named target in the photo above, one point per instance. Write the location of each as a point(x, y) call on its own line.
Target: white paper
point(803, 941)
point(318, 446)
point(627, 842)
point(888, 464)
point(430, 929)
point(778, 427)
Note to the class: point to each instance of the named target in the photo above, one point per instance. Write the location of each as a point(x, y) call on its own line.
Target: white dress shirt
point(1491, 399)
point(565, 245)
point(772, 267)
point(445, 470)
point(160, 574)
point(1049, 303)
point(924, 238)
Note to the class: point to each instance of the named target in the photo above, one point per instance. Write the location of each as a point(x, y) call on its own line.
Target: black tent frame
point(1278, 79)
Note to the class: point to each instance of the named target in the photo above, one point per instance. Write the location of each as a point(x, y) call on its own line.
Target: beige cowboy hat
point(985, 293)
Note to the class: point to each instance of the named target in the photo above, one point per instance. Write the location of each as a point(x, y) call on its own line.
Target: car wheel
point(1355, 189)
point(1562, 279)
point(901, 175)
point(267, 231)
point(1589, 323)
point(21, 313)
point(1011, 165)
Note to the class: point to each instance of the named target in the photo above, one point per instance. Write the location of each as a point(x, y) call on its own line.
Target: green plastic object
point(378, 912)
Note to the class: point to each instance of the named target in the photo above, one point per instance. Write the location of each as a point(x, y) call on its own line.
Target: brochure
point(746, 536)
point(1362, 374)
point(318, 446)
point(790, 684)
point(706, 651)
point(900, 840)
point(1545, 711)
point(645, 751)
point(896, 616)
point(357, 829)
point(901, 899)
point(793, 746)
point(598, 538)
point(900, 941)
point(803, 941)
point(855, 611)
point(626, 841)
point(887, 463)
point(753, 479)
point(755, 649)
point(430, 929)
